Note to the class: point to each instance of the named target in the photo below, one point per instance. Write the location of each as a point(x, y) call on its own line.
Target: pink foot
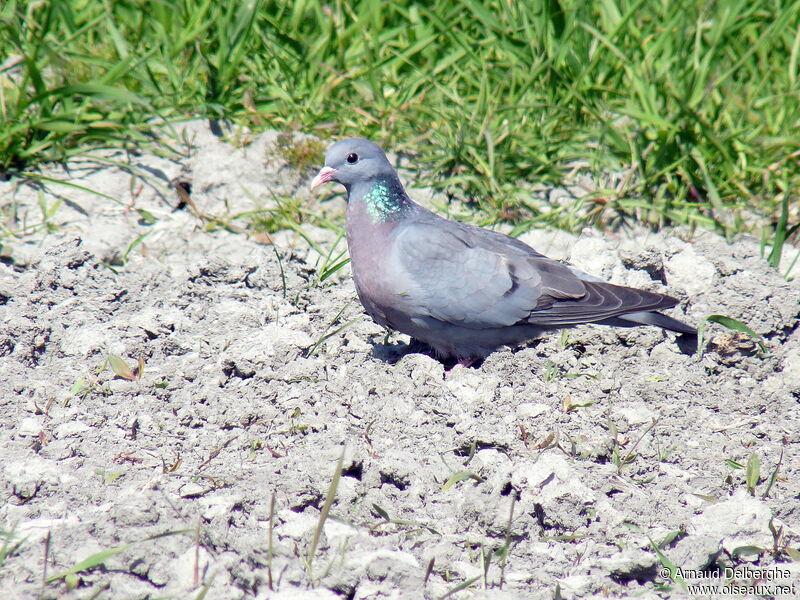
point(464, 362)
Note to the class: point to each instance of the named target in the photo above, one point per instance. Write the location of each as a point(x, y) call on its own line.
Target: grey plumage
point(462, 290)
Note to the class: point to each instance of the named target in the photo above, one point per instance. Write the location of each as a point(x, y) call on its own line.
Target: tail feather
point(651, 318)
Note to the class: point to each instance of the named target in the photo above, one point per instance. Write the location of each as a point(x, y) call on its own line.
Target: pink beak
point(325, 174)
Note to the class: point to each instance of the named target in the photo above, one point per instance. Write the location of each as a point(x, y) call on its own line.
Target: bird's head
point(352, 161)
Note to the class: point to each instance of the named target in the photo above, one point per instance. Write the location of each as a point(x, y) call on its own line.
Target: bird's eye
point(352, 158)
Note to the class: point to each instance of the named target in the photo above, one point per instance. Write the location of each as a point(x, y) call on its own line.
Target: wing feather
point(459, 276)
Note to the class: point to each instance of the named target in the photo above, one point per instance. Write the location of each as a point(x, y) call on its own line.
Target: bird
point(459, 290)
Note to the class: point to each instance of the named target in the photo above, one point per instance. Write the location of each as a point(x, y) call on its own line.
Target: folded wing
point(481, 279)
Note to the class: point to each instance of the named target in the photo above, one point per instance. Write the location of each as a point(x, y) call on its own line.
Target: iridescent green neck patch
point(385, 203)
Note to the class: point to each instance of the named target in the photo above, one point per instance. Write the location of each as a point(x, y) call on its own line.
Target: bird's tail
point(650, 318)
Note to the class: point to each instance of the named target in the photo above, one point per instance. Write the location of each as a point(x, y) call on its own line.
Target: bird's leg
point(416, 346)
point(466, 363)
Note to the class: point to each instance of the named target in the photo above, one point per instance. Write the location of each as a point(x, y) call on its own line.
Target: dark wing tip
point(602, 301)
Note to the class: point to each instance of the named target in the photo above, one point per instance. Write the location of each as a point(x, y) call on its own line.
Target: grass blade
point(728, 323)
point(323, 516)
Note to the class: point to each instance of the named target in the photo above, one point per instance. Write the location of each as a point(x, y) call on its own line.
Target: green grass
point(697, 103)
point(10, 545)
